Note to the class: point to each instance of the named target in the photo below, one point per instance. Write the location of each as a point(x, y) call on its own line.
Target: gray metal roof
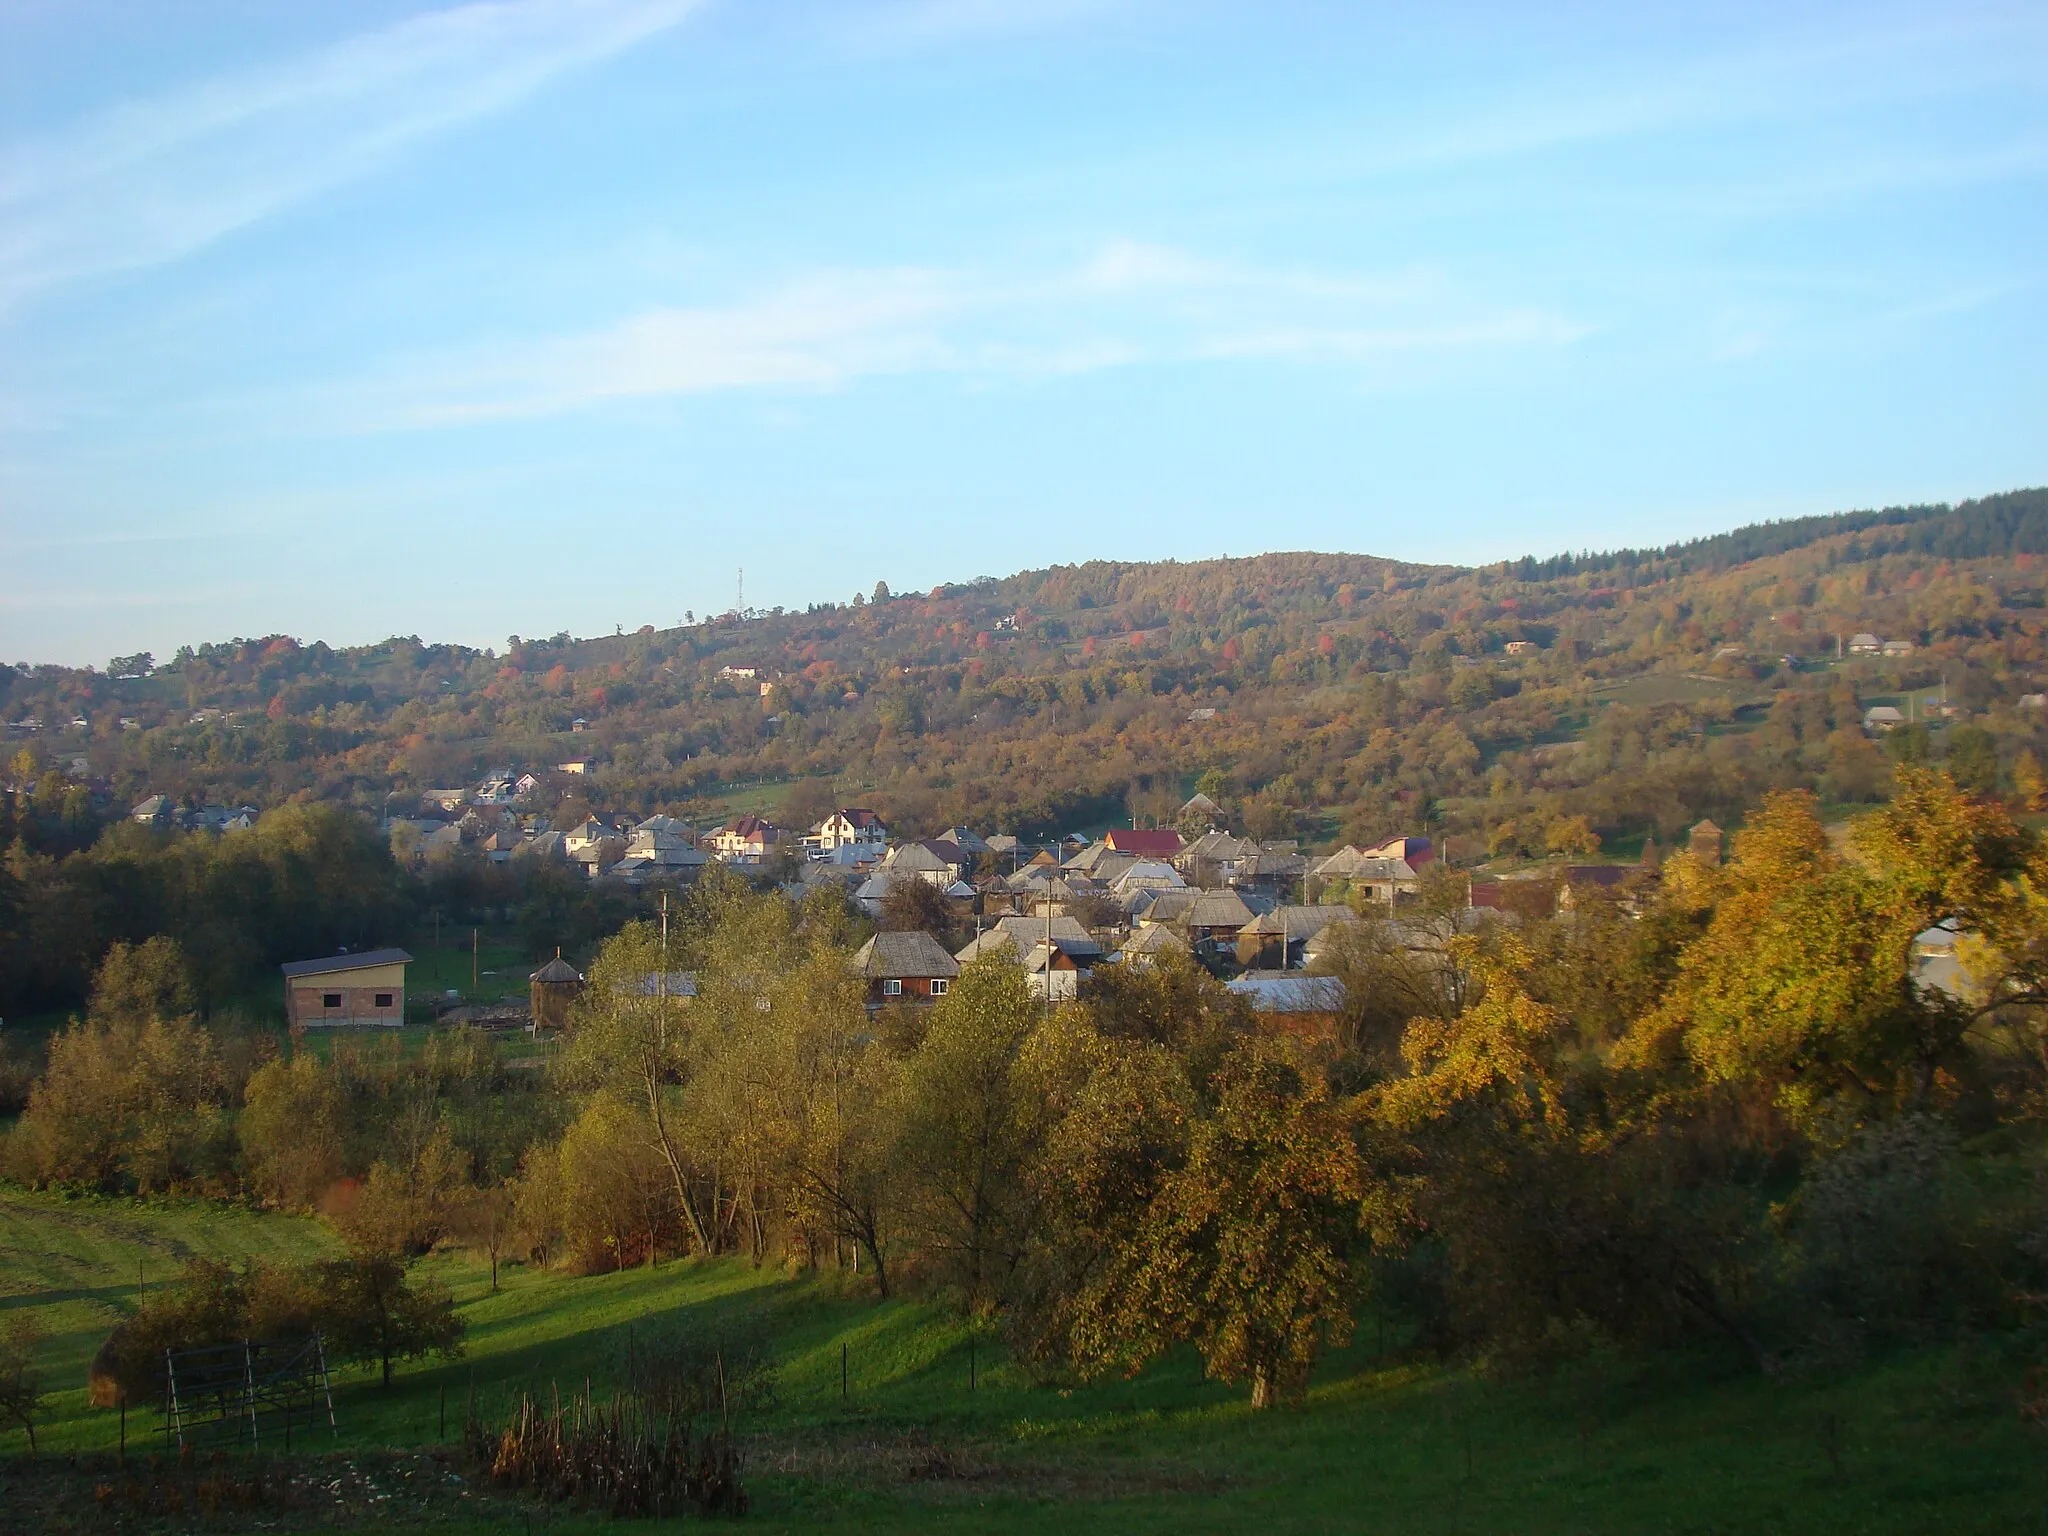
point(894, 956)
point(355, 962)
point(1290, 994)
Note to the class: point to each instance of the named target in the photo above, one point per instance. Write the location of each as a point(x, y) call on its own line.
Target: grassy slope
point(1924, 1441)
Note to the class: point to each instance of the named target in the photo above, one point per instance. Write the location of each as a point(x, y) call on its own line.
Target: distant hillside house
point(577, 765)
point(1898, 648)
point(1865, 645)
point(364, 989)
point(1881, 718)
point(156, 811)
point(1521, 648)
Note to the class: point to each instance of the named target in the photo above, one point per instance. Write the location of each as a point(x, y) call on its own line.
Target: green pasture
point(1654, 688)
point(729, 800)
point(1922, 1440)
point(502, 967)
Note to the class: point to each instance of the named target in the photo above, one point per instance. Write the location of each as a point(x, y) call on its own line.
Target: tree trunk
point(675, 1166)
point(1262, 1385)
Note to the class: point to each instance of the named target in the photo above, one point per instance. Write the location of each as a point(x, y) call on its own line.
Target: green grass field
point(1920, 1441)
point(1654, 688)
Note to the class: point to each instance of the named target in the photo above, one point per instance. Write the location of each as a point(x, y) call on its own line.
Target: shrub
point(367, 1309)
point(612, 1456)
point(1881, 1232)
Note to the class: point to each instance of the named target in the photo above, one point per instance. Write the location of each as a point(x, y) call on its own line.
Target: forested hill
point(1522, 706)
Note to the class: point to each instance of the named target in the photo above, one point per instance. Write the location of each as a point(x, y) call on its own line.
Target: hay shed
point(554, 988)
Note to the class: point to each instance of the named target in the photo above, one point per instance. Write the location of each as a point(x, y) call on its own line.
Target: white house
point(848, 836)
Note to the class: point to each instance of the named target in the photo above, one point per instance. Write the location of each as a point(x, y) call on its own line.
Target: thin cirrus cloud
point(151, 181)
point(1127, 304)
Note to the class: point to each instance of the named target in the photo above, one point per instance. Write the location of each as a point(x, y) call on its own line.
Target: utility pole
point(661, 981)
point(1048, 947)
point(474, 947)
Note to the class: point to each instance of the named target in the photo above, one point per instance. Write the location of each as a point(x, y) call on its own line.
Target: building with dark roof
point(341, 990)
point(904, 967)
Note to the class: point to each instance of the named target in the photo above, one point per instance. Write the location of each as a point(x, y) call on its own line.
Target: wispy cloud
point(150, 181)
point(1126, 304)
point(904, 24)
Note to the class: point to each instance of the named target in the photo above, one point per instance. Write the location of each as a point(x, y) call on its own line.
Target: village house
point(499, 846)
point(1306, 1008)
point(1015, 935)
point(1581, 883)
point(586, 832)
point(1214, 918)
point(904, 967)
point(1865, 645)
point(1375, 874)
point(747, 840)
point(1898, 648)
point(1148, 945)
point(936, 863)
point(156, 811)
point(1214, 856)
point(580, 766)
point(1880, 718)
point(849, 836)
point(362, 989)
point(1156, 843)
point(1278, 940)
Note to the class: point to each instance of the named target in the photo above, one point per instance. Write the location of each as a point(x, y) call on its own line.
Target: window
point(330, 999)
point(383, 999)
point(892, 988)
point(939, 985)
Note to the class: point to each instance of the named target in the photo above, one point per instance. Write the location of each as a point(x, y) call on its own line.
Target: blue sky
point(372, 318)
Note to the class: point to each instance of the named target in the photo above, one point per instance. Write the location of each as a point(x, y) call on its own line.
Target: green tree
point(22, 1395)
point(1244, 1248)
point(376, 1312)
point(969, 1128)
point(1973, 758)
point(291, 1130)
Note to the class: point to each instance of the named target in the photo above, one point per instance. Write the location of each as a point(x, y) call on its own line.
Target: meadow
point(1917, 1440)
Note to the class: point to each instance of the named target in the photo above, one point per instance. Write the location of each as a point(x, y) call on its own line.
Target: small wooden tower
point(1705, 842)
point(553, 989)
